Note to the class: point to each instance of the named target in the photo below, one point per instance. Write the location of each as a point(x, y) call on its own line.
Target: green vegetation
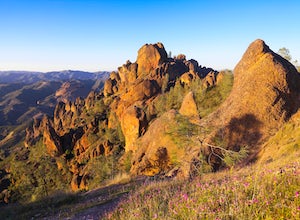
point(125, 162)
point(210, 99)
point(285, 53)
point(207, 100)
point(182, 134)
point(170, 100)
point(284, 145)
point(100, 169)
point(186, 134)
point(44, 181)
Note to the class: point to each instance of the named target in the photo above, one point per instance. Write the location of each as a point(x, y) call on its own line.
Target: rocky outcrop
point(51, 139)
point(128, 72)
point(189, 108)
point(210, 79)
point(141, 91)
point(157, 152)
point(85, 130)
point(188, 77)
point(133, 123)
point(111, 84)
point(33, 133)
point(150, 56)
point(265, 94)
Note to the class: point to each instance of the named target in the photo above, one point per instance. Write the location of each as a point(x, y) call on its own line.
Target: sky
point(91, 35)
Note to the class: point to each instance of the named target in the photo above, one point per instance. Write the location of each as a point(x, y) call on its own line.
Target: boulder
point(210, 79)
point(144, 89)
point(265, 94)
point(128, 72)
point(158, 152)
point(189, 108)
point(150, 56)
point(192, 65)
point(181, 57)
point(108, 87)
point(174, 69)
point(133, 124)
point(188, 77)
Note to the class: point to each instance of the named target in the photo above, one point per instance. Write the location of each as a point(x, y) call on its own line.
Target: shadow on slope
point(242, 131)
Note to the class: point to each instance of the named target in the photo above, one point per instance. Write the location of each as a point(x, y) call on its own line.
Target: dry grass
point(120, 178)
point(284, 146)
point(250, 193)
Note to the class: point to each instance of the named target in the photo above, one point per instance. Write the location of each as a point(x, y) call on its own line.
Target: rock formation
point(156, 148)
point(133, 125)
point(189, 108)
point(85, 129)
point(150, 56)
point(146, 119)
point(265, 94)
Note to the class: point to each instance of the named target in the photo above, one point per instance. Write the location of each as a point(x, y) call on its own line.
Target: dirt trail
point(96, 203)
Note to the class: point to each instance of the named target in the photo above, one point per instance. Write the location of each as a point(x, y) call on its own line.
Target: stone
point(210, 79)
point(265, 93)
point(133, 124)
point(51, 139)
point(128, 72)
point(158, 152)
point(150, 56)
point(188, 77)
point(189, 108)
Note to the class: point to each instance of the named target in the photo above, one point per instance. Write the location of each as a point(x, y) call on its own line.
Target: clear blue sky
point(45, 35)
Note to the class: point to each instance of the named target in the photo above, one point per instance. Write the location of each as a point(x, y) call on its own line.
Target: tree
point(285, 53)
point(188, 134)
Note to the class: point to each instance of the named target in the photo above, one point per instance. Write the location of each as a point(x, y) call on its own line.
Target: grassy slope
point(250, 193)
point(284, 146)
point(269, 189)
point(254, 192)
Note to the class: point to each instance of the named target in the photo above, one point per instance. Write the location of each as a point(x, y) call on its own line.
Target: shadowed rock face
point(265, 94)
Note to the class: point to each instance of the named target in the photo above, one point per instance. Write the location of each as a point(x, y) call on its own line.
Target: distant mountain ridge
point(29, 77)
point(25, 95)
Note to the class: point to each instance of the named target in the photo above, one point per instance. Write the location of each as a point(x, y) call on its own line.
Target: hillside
point(24, 95)
point(167, 118)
